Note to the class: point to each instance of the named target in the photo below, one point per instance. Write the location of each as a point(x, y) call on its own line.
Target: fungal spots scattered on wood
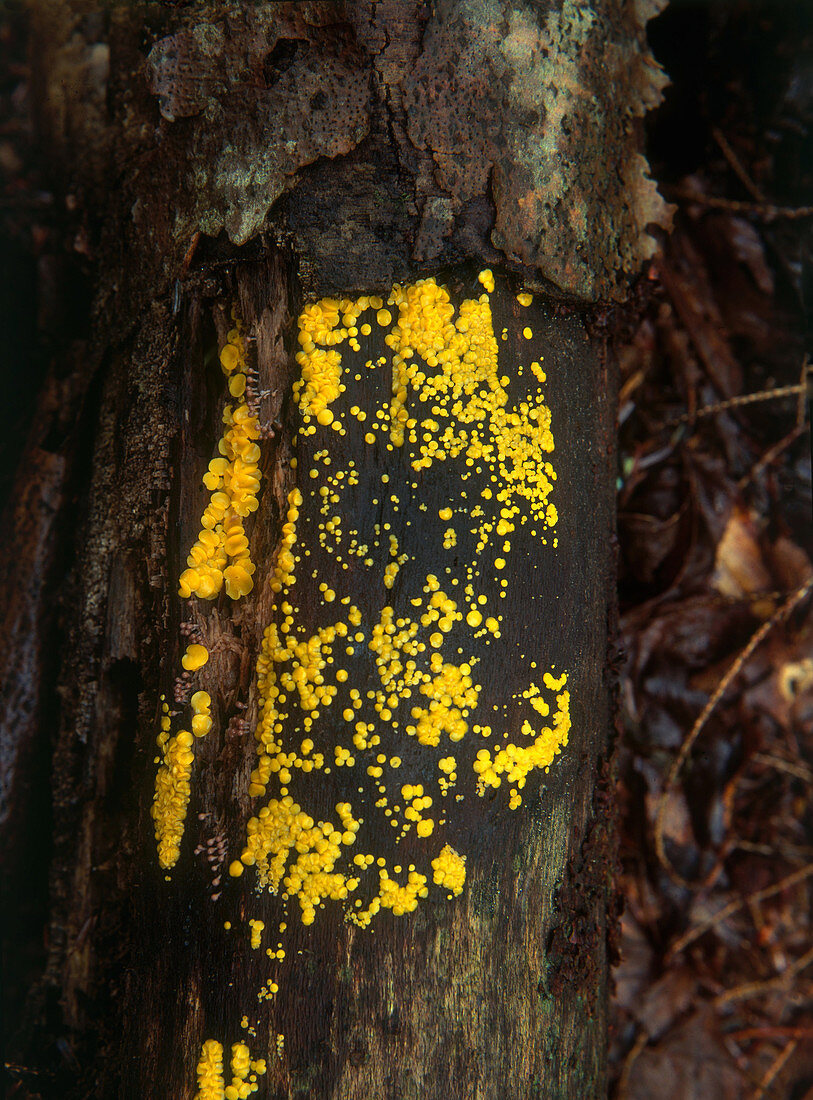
point(443, 399)
point(421, 481)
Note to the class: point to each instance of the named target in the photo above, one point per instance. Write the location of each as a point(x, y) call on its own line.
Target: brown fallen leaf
point(689, 1063)
point(739, 569)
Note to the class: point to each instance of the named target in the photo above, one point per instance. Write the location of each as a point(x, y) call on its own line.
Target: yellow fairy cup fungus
point(210, 1072)
point(448, 400)
point(245, 1071)
point(195, 657)
point(449, 870)
point(256, 927)
point(173, 778)
point(375, 675)
point(281, 830)
point(172, 790)
point(220, 556)
point(487, 279)
point(201, 715)
point(515, 761)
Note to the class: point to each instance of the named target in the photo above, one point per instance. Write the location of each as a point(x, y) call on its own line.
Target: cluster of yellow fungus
point(220, 556)
point(218, 559)
point(257, 927)
point(449, 870)
point(464, 387)
point(284, 571)
point(282, 828)
point(244, 1069)
point(173, 778)
point(452, 695)
point(211, 1085)
point(392, 895)
point(172, 789)
point(448, 777)
point(515, 761)
point(445, 364)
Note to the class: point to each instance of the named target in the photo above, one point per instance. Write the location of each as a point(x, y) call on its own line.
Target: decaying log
point(245, 164)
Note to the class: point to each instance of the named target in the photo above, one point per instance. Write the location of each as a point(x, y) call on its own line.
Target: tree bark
point(258, 160)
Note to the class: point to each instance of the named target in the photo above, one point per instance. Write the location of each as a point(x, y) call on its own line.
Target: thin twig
point(641, 1040)
point(804, 379)
point(736, 165)
point(774, 1070)
point(734, 906)
point(771, 455)
point(746, 1034)
point(800, 771)
point(782, 613)
point(755, 989)
point(735, 402)
point(766, 211)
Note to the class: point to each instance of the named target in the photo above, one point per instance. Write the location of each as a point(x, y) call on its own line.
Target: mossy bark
point(498, 993)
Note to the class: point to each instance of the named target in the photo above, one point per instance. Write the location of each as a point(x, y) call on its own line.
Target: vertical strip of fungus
point(220, 555)
point(245, 1072)
point(218, 560)
point(172, 789)
point(210, 1072)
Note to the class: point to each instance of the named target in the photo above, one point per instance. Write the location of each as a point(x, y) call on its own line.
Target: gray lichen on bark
point(543, 105)
point(505, 131)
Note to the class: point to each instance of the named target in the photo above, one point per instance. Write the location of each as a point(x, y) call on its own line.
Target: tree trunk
point(433, 531)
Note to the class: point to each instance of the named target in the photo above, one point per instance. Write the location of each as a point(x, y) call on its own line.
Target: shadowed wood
point(457, 998)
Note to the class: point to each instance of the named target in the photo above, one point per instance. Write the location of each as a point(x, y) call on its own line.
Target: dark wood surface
point(498, 992)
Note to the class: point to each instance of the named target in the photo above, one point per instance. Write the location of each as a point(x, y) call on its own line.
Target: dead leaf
point(634, 971)
point(739, 570)
point(689, 1063)
point(666, 1000)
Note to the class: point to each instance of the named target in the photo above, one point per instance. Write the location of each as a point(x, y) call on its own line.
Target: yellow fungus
point(449, 870)
point(524, 298)
point(195, 657)
point(220, 555)
point(448, 402)
point(210, 1072)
